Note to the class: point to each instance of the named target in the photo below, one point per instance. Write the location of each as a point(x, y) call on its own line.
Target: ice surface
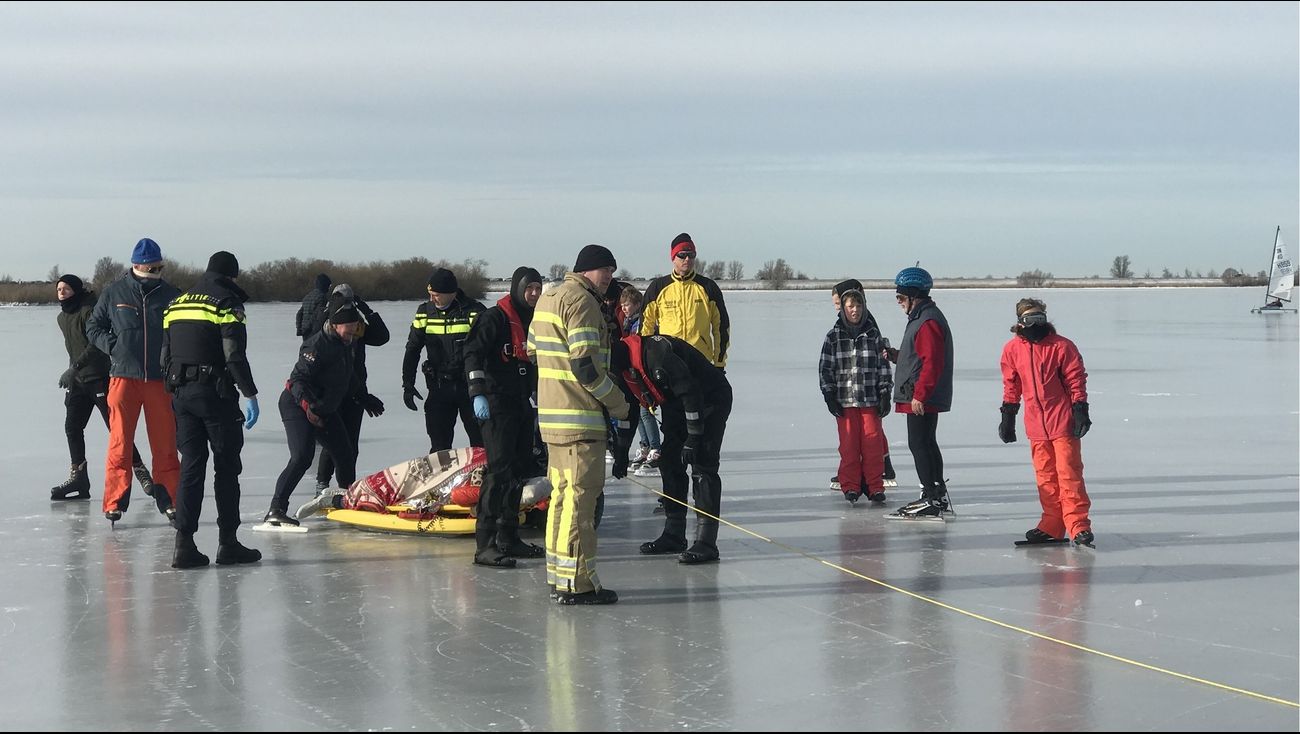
point(1192, 464)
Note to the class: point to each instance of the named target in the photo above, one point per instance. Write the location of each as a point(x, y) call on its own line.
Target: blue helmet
point(915, 280)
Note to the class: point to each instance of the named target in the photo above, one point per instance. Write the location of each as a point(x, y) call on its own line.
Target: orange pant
point(862, 450)
point(1058, 467)
point(125, 399)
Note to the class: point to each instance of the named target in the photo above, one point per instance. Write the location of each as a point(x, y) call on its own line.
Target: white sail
point(1283, 276)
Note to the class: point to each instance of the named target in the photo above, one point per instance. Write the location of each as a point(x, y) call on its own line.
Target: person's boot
point(230, 550)
point(142, 476)
point(164, 502)
point(510, 544)
point(671, 540)
point(486, 553)
point(187, 554)
point(705, 547)
point(75, 487)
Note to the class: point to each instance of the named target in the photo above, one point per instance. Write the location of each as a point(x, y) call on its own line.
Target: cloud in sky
point(981, 139)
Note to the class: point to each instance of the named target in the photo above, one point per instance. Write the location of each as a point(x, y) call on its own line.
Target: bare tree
point(714, 270)
point(54, 273)
point(625, 275)
point(106, 269)
point(735, 270)
point(1121, 268)
point(558, 270)
point(775, 273)
point(1167, 273)
point(1033, 279)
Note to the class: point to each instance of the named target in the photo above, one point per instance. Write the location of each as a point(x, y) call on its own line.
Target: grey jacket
point(127, 325)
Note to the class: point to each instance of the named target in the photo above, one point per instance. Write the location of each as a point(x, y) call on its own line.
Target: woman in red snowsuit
point(1046, 370)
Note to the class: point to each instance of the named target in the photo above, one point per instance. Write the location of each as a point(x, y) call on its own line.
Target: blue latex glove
point(481, 408)
point(251, 412)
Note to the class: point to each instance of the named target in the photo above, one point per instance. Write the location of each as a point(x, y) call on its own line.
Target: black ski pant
point(79, 402)
point(707, 483)
point(203, 419)
point(352, 413)
point(302, 437)
point(922, 440)
point(508, 441)
point(449, 399)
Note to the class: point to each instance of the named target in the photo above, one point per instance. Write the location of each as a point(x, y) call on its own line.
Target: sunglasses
point(685, 255)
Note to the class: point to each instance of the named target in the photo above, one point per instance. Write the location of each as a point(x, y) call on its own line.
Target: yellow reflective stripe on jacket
point(203, 310)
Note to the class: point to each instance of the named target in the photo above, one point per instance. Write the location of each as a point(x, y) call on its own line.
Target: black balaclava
point(518, 282)
point(78, 293)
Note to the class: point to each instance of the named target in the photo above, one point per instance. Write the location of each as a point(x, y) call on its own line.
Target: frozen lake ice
point(1193, 465)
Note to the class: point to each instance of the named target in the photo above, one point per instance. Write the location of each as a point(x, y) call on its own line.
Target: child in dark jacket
point(855, 382)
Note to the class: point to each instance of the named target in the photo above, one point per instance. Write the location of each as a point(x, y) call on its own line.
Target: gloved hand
point(312, 418)
point(251, 412)
point(690, 449)
point(363, 307)
point(1007, 429)
point(481, 408)
point(65, 379)
point(373, 406)
point(409, 394)
point(833, 405)
point(884, 402)
point(619, 470)
point(1081, 420)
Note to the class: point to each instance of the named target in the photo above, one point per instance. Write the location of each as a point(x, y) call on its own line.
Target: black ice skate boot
point(671, 540)
point(76, 487)
point(486, 553)
point(187, 554)
point(164, 502)
point(705, 547)
point(230, 550)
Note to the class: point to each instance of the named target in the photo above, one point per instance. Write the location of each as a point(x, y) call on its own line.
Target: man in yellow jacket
point(576, 398)
point(688, 305)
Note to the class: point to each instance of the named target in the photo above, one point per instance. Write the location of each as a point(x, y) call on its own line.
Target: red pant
point(1058, 467)
point(862, 450)
point(125, 399)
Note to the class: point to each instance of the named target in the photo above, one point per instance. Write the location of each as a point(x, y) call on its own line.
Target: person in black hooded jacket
point(206, 366)
point(85, 383)
point(319, 383)
point(313, 306)
point(501, 382)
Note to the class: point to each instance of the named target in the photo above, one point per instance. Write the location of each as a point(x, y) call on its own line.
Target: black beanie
point(73, 282)
point(443, 281)
point(594, 257)
point(852, 284)
point(224, 263)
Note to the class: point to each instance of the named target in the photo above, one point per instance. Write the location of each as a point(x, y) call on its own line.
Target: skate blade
point(911, 518)
point(269, 528)
point(891, 482)
point(1028, 543)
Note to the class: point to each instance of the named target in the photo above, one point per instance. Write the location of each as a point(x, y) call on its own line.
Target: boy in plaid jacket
point(855, 382)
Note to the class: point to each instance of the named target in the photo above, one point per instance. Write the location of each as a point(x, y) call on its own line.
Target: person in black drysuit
point(694, 397)
point(373, 332)
point(439, 329)
point(309, 406)
point(313, 307)
point(206, 368)
point(501, 381)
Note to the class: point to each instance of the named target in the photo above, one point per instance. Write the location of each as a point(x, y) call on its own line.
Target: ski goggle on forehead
point(1033, 318)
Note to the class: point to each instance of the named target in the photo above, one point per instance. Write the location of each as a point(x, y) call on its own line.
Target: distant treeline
point(284, 280)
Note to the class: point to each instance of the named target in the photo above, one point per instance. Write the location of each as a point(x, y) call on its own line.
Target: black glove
point(409, 394)
point(619, 470)
point(65, 379)
point(690, 449)
point(362, 307)
point(833, 406)
point(1081, 420)
point(1007, 428)
point(884, 402)
point(373, 406)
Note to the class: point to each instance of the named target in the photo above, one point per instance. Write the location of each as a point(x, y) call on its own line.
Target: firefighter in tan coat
point(576, 399)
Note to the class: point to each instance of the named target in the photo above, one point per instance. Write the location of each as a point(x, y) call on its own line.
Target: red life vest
point(637, 379)
point(517, 348)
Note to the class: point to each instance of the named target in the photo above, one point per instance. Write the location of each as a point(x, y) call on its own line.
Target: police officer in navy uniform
point(440, 328)
point(206, 368)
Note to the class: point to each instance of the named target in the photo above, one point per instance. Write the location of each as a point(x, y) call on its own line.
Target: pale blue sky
point(980, 139)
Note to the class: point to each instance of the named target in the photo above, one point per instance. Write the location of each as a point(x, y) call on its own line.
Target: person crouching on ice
point(855, 383)
point(694, 398)
point(1046, 370)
